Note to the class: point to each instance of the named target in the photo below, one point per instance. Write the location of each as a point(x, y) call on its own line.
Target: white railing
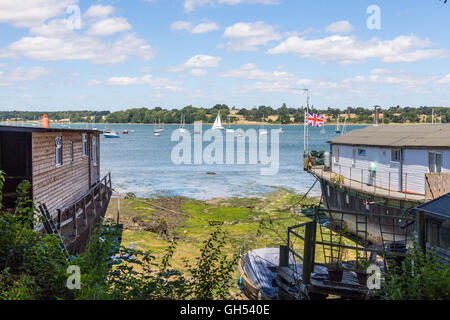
point(390, 183)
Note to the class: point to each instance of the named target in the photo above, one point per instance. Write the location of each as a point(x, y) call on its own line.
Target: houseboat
point(384, 170)
point(63, 167)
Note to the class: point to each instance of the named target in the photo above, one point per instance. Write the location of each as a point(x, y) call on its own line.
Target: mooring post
point(308, 252)
point(284, 256)
point(421, 230)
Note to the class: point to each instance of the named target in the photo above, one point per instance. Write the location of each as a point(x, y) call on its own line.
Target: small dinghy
point(256, 273)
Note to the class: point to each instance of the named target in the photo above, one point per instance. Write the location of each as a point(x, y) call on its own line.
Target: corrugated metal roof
point(406, 136)
point(39, 129)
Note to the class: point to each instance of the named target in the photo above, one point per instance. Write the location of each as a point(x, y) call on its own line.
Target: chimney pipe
point(45, 122)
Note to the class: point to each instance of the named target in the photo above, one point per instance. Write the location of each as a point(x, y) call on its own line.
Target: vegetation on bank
point(172, 248)
point(281, 115)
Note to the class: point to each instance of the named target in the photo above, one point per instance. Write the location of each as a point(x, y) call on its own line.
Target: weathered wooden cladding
point(54, 185)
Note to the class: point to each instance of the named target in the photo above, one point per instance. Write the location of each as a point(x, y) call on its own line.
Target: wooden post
point(100, 190)
point(308, 252)
point(421, 231)
point(85, 212)
point(59, 220)
point(74, 216)
point(284, 256)
point(94, 206)
point(118, 208)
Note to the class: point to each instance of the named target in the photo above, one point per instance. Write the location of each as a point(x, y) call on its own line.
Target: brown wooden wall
point(59, 186)
point(436, 185)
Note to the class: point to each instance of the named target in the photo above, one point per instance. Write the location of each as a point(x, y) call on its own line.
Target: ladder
point(51, 228)
point(330, 252)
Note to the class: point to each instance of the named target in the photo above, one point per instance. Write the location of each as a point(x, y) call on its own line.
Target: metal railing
point(310, 241)
point(86, 205)
point(385, 183)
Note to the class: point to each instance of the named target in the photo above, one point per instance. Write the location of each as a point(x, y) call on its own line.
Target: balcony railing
point(407, 186)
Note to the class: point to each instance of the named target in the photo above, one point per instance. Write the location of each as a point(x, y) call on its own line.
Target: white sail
point(218, 123)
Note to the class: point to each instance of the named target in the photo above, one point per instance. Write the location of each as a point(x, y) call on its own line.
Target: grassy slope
point(240, 217)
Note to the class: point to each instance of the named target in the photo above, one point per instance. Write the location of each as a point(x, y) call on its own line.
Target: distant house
point(63, 167)
point(385, 170)
point(393, 157)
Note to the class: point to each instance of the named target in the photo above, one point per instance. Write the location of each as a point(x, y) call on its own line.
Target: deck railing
point(86, 206)
point(333, 241)
point(379, 182)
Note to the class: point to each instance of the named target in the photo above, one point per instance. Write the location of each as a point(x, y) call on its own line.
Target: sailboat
point(182, 128)
point(218, 123)
point(229, 128)
point(338, 129)
point(263, 131)
point(159, 129)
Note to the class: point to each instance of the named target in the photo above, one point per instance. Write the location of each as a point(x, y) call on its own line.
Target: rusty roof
point(402, 136)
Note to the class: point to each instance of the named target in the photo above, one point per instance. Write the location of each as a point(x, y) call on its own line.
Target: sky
point(118, 54)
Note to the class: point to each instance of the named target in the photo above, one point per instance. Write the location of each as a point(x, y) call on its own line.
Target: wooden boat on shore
point(257, 271)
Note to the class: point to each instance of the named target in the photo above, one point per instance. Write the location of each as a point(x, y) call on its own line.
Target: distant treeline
point(283, 115)
point(74, 116)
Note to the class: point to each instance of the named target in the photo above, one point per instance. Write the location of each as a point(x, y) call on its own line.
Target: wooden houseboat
point(63, 167)
point(385, 170)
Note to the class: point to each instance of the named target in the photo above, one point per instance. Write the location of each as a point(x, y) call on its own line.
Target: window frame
point(362, 152)
point(84, 143)
point(434, 155)
point(58, 151)
point(71, 151)
point(94, 155)
point(394, 154)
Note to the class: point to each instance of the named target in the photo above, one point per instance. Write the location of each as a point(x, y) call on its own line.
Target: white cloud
point(205, 27)
point(445, 79)
point(340, 27)
point(56, 40)
point(78, 47)
point(157, 83)
point(20, 74)
point(27, 13)
point(109, 26)
point(200, 28)
point(348, 50)
point(202, 61)
point(99, 11)
point(248, 36)
point(198, 72)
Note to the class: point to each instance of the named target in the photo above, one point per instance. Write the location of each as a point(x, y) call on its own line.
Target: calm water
point(141, 163)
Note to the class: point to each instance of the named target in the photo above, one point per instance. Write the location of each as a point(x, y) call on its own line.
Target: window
point(94, 151)
point(328, 191)
point(354, 156)
point(434, 162)
point(85, 145)
point(396, 155)
point(58, 147)
point(362, 152)
point(71, 151)
point(336, 154)
point(347, 199)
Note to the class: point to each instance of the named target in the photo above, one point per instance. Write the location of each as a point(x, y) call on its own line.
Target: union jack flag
point(314, 119)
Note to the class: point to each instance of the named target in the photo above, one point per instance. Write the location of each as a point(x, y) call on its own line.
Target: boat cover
point(257, 263)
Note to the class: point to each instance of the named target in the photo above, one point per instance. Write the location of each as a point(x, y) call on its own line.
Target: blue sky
point(113, 55)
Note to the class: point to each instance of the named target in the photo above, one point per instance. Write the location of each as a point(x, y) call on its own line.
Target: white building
point(394, 157)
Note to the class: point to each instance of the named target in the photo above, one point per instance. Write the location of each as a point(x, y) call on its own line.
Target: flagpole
point(307, 127)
